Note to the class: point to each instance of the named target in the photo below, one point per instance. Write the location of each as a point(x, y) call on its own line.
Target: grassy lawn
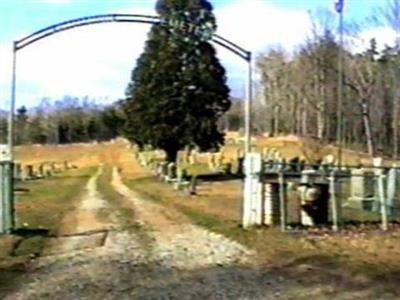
point(124, 214)
point(39, 212)
point(40, 209)
point(47, 201)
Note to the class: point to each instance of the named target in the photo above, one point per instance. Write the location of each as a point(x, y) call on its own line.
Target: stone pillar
point(362, 189)
point(253, 196)
point(393, 191)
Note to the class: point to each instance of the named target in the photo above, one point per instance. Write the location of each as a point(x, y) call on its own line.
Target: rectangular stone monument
point(29, 174)
point(181, 179)
point(211, 162)
point(271, 204)
point(171, 172)
point(393, 192)
point(193, 158)
point(362, 189)
point(40, 171)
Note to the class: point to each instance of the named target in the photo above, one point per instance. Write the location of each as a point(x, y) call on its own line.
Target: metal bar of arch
point(123, 18)
point(108, 18)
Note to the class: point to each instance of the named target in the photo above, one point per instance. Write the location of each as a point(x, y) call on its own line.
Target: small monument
point(362, 189)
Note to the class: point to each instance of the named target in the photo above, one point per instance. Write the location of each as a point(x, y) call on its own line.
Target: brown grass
point(345, 262)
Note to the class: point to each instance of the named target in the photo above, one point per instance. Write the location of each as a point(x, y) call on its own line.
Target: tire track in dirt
point(82, 228)
point(179, 243)
point(163, 257)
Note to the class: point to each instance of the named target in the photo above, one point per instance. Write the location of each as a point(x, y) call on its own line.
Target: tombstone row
point(177, 176)
point(38, 171)
point(320, 193)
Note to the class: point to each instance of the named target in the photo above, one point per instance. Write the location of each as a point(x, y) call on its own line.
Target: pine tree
point(178, 89)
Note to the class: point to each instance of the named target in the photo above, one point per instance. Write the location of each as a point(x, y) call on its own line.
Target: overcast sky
point(97, 60)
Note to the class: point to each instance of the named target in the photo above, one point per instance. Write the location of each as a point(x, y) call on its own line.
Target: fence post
point(334, 202)
point(6, 197)
point(382, 198)
point(252, 192)
point(282, 200)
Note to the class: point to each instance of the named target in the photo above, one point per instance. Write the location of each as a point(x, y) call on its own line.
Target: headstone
point(329, 160)
point(193, 157)
point(29, 172)
point(40, 171)
point(294, 164)
point(186, 155)
point(47, 170)
point(211, 161)
point(314, 204)
point(227, 168)
point(193, 186)
point(271, 204)
point(280, 163)
point(219, 161)
point(308, 177)
point(377, 162)
point(171, 172)
point(164, 170)
point(362, 189)
point(265, 153)
point(239, 153)
point(181, 177)
point(393, 191)
point(52, 167)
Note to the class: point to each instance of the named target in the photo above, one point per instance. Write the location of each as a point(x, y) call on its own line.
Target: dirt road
point(161, 256)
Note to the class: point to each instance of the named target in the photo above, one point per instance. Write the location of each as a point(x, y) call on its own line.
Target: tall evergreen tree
point(178, 89)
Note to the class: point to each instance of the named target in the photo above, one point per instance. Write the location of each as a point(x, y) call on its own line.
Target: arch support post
point(10, 136)
point(7, 216)
point(248, 105)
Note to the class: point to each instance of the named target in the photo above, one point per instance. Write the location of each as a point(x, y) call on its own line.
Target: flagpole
point(340, 86)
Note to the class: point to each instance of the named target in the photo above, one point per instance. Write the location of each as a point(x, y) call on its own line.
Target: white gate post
point(252, 193)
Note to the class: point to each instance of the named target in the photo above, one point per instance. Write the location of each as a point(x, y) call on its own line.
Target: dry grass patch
point(345, 262)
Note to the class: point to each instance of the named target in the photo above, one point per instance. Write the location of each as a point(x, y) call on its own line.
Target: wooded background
point(296, 93)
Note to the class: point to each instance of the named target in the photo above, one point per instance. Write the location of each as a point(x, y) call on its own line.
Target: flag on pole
point(339, 6)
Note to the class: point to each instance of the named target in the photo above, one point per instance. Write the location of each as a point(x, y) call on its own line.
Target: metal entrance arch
point(121, 18)
point(6, 200)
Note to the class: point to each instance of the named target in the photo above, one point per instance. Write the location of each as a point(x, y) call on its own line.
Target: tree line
point(178, 97)
point(68, 120)
point(300, 90)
